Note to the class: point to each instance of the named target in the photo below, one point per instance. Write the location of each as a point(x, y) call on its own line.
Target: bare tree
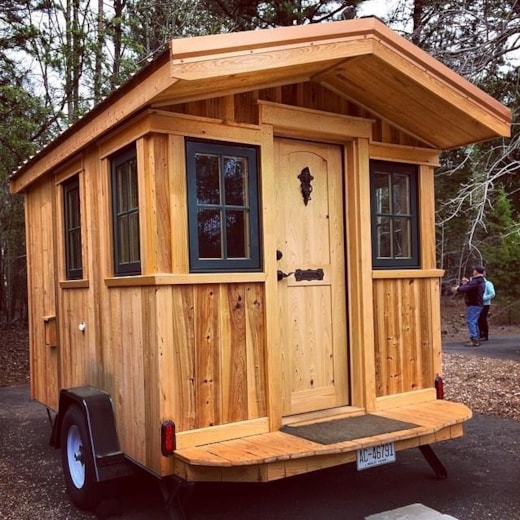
point(480, 39)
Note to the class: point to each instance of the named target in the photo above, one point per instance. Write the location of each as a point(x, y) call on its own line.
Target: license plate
point(375, 456)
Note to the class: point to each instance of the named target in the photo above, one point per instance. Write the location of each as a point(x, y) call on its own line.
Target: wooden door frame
point(311, 234)
point(353, 135)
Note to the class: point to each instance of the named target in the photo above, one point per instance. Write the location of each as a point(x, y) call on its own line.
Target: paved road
point(500, 347)
point(483, 476)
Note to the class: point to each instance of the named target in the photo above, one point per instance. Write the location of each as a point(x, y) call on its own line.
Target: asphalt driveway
point(483, 475)
point(499, 347)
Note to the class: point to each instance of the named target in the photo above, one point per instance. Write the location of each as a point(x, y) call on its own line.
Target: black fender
point(108, 459)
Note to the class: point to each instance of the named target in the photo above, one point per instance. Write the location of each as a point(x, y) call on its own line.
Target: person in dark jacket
point(473, 290)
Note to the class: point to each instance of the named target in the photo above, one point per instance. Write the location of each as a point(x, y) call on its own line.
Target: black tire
point(77, 461)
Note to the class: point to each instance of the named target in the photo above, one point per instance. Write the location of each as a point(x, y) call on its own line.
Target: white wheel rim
point(75, 457)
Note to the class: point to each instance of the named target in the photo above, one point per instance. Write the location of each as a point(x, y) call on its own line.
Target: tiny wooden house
point(241, 240)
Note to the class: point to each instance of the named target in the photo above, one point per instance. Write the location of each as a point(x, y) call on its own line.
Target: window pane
point(133, 237)
point(382, 193)
point(384, 242)
point(402, 238)
point(210, 233)
point(124, 255)
point(73, 216)
point(122, 191)
point(133, 196)
point(208, 178)
point(74, 250)
point(129, 238)
point(72, 229)
point(235, 181)
point(236, 234)
point(400, 194)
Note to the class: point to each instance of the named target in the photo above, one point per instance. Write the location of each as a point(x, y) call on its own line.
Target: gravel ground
point(14, 356)
point(488, 386)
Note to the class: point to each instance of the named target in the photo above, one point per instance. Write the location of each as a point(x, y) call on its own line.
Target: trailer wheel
point(76, 459)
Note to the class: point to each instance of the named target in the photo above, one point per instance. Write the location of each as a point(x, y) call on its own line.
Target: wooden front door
point(311, 246)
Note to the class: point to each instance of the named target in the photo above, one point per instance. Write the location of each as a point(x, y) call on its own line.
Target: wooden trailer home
point(231, 259)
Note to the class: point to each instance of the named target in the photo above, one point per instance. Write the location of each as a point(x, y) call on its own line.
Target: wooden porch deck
point(276, 455)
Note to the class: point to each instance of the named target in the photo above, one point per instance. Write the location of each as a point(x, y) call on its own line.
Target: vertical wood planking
point(255, 344)
point(427, 216)
point(162, 203)
point(41, 254)
point(234, 349)
point(182, 372)
point(404, 355)
point(436, 338)
point(412, 337)
point(207, 363)
point(132, 369)
point(427, 349)
point(359, 275)
point(154, 201)
point(178, 197)
point(78, 365)
point(153, 334)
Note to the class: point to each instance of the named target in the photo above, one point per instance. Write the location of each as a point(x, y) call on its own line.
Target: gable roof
point(361, 59)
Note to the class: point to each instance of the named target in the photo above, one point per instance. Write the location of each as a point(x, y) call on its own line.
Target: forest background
point(58, 58)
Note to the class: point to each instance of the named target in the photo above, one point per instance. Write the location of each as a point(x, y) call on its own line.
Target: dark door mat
point(348, 429)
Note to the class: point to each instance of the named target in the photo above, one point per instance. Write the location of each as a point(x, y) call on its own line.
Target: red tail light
point(167, 438)
point(439, 387)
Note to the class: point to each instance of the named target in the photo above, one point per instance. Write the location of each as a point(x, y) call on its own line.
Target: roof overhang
point(362, 60)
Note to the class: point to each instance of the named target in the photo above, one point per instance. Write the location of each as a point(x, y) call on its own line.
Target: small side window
point(72, 231)
point(223, 207)
point(125, 213)
point(395, 237)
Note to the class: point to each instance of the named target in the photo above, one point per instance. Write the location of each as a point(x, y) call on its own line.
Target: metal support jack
point(433, 461)
point(171, 490)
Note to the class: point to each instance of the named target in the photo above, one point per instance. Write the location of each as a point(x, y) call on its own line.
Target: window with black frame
point(125, 213)
point(395, 237)
point(72, 228)
point(222, 207)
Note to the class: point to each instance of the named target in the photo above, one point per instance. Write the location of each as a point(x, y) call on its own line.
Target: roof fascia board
point(437, 70)
point(269, 58)
point(493, 115)
point(245, 41)
point(97, 122)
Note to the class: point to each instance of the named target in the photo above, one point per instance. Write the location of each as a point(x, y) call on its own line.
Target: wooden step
point(287, 454)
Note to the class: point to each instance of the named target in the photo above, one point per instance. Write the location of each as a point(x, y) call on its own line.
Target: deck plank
point(435, 420)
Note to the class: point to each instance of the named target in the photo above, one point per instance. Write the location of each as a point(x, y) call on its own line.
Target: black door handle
point(280, 275)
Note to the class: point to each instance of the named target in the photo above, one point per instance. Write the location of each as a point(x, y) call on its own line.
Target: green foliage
point(21, 115)
point(501, 250)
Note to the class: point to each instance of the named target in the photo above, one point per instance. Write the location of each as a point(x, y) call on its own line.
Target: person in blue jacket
point(489, 294)
point(473, 290)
